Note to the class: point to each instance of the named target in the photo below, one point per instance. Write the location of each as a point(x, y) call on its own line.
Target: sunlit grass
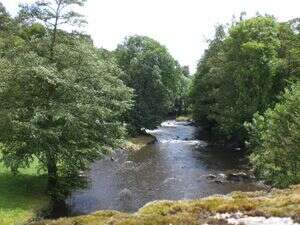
point(21, 196)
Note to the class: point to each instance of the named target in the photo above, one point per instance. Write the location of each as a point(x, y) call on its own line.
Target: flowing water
point(175, 167)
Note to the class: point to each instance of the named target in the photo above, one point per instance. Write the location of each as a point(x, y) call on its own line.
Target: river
point(175, 167)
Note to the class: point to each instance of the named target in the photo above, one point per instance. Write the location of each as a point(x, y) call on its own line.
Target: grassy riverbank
point(21, 196)
point(139, 142)
point(281, 203)
point(183, 118)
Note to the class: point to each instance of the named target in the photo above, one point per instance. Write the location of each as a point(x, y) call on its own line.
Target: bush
point(275, 137)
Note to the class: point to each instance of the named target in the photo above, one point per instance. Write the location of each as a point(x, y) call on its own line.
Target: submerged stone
point(211, 176)
point(125, 194)
point(238, 176)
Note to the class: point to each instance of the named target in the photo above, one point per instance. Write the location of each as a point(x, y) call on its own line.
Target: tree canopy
point(66, 103)
point(275, 139)
point(62, 107)
point(241, 73)
point(155, 77)
point(241, 91)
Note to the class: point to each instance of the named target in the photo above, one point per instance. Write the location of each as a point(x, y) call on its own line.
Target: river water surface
point(175, 167)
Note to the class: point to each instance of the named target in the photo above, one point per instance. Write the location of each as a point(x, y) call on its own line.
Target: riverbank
point(278, 205)
point(184, 118)
point(21, 196)
point(138, 142)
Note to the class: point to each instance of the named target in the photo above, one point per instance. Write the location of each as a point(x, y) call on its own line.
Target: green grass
point(21, 196)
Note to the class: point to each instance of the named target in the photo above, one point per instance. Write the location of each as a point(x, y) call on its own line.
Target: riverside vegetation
point(66, 103)
point(246, 91)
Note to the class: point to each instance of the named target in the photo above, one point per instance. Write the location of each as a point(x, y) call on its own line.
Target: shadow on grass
point(21, 196)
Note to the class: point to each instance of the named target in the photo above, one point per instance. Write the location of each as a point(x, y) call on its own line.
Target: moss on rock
point(282, 203)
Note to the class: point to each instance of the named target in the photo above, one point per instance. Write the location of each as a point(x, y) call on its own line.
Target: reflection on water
point(175, 167)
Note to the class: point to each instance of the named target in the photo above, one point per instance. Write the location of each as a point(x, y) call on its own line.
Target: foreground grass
point(282, 203)
point(21, 196)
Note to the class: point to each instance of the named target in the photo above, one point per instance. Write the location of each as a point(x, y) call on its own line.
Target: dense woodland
point(158, 81)
point(66, 103)
point(246, 91)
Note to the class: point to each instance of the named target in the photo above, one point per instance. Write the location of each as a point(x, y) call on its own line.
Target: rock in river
point(125, 194)
point(211, 176)
point(240, 176)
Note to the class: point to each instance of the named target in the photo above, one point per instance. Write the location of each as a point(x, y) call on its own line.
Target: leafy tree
point(186, 71)
point(182, 101)
point(275, 138)
point(155, 77)
point(208, 78)
point(240, 76)
point(11, 42)
point(288, 69)
point(4, 18)
point(251, 57)
point(66, 118)
point(236, 77)
point(63, 107)
point(53, 14)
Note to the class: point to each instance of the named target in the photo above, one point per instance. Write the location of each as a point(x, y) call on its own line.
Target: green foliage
point(70, 114)
point(182, 100)
point(288, 69)
point(275, 138)
point(62, 101)
point(4, 17)
point(240, 76)
point(242, 72)
point(155, 77)
point(208, 78)
point(53, 13)
point(250, 52)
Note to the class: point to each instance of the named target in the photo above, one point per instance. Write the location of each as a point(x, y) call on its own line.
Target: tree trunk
point(52, 186)
point(54, 35)
point(53, 41)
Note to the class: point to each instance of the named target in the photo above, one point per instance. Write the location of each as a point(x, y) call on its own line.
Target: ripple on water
point(173, 168)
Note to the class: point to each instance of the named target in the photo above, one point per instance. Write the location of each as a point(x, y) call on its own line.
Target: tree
point(66, 118)
point(237, 76)
point(53, 14)
point(63, 109)
point(239, 79)
point(208, 79)
point(251, 55)
point(275, 138)
point(4, 18)
point(288, 69)
point(186, 71)
point(155, 77)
